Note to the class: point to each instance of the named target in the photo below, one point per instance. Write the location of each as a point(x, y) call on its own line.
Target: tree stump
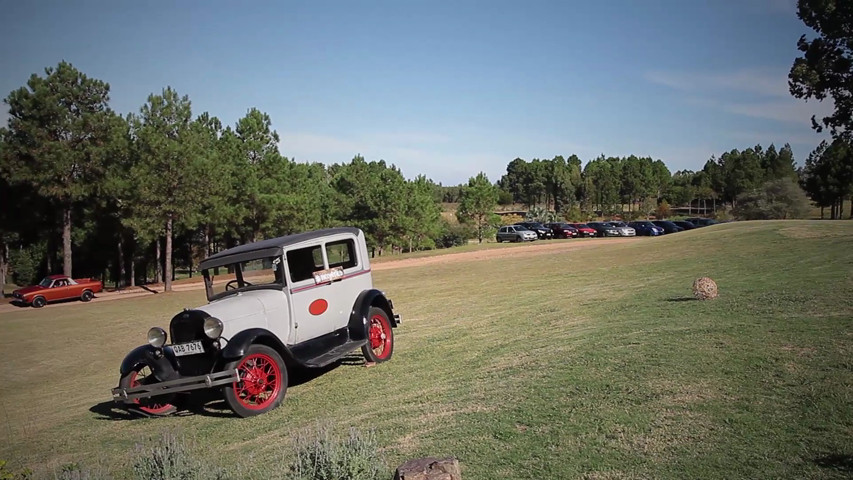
point(429, 468)
point(704, 288)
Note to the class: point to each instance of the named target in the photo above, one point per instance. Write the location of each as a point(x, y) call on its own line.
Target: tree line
point(115, 193)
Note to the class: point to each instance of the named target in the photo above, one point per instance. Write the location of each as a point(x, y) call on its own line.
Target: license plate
point(191, 348)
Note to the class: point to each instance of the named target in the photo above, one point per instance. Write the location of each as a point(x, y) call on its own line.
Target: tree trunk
point(168, 285)
point(4, 264)
point(207, 249)
point(821, 212)
point(66, 240)
point(132, 272)
point(158, 268)
point(120, 276)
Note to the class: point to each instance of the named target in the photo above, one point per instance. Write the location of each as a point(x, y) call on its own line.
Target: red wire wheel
point(157, 406)
point(263, 382)
point(380, 337)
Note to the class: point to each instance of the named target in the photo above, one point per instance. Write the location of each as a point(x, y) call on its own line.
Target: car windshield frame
point(261, 273)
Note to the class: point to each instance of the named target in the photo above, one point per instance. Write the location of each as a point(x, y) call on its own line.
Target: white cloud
point(791, 110)
point(761, 81)
point(415, 153)
point(757, 93)
point(779, 138)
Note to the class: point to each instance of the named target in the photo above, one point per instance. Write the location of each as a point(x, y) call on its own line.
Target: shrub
point(170, 458)
point(504, 197)
point(663, 210)
point(777, 199)
point(25, 263)
point(320, 455)
point(575, 215)
point(6, 474)
point(454, 235)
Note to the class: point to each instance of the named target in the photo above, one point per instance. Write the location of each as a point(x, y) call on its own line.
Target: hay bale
point(704, 288)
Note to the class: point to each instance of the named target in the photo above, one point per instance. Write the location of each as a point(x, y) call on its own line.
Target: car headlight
point(212, 327)
point(157, 337)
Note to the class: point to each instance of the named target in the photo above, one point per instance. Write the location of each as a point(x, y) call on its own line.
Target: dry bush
point(704, 288)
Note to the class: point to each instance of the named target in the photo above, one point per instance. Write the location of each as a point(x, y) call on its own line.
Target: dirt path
point(529, 250)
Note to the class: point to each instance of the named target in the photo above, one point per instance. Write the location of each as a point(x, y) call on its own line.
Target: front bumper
point(184, 384)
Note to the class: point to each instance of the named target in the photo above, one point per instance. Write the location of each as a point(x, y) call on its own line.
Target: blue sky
point(445, 88)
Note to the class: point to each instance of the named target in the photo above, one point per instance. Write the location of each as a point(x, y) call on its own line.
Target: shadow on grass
point(839, 462)
point(682, 299)
point(209, 403)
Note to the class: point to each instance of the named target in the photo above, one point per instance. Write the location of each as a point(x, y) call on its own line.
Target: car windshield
point(259, 272)
point(45, 282)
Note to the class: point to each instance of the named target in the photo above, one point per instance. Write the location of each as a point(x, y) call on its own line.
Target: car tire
point(153, 407)
point(39, 302)
point(87, 295)
point(380, 337)
point(262, 385)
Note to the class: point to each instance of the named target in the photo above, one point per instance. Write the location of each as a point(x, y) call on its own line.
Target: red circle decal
point(318, 306)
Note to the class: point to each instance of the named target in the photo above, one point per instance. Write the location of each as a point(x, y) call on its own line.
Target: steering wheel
point(234, 285)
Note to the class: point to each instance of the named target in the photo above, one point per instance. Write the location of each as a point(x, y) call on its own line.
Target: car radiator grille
point(188, 326)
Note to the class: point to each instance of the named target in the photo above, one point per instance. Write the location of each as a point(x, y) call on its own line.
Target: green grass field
point(595, 363)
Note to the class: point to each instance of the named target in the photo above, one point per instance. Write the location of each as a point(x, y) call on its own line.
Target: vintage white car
point(303, 300)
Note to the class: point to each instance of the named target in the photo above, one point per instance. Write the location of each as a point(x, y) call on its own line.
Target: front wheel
point(158, 406)
point(380, 337)
point(263, 382)
point(39, 302)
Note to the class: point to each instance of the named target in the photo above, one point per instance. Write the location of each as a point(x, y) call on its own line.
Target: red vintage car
point(58, 287)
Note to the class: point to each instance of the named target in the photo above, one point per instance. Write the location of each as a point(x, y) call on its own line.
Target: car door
point(325, 279)
point(306, 295)
point(502, 233)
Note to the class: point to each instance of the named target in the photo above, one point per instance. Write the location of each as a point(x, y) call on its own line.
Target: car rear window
point(341, 254)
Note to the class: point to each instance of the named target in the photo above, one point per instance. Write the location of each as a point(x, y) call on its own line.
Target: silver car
point(623, 229)
point(515, 233)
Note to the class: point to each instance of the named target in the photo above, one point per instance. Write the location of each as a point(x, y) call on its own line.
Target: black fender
point(161, 361)
point(358, 318)
point(240, 343)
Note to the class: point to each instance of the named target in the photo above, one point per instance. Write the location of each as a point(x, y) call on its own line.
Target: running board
point(334, 354)
point(174, 386)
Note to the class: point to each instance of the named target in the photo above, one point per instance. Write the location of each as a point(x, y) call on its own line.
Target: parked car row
point(529, 231)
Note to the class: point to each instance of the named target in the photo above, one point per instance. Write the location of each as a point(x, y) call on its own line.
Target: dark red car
point(584, 230)
point(562, 230)
point(57, 287)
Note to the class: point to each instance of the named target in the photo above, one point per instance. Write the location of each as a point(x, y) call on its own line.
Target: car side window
point(303, 262)
point(341, 254)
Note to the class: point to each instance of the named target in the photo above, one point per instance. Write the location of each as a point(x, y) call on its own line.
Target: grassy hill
point(595, 363)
